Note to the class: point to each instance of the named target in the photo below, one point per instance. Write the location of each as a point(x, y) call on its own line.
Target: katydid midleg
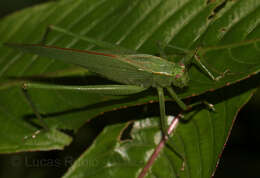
point(137, 72)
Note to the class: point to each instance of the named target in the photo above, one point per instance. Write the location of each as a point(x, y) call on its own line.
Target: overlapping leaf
point(193, 150)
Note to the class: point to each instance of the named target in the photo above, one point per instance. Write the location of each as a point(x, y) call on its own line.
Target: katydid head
point(181, 77)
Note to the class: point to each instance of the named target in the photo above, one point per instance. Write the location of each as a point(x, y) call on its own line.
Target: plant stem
point(156, 152)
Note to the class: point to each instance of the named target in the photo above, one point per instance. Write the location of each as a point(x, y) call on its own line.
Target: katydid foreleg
point(193, 57)
point(202, 66)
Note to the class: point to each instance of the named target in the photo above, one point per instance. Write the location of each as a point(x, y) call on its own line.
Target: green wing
point(114, 67)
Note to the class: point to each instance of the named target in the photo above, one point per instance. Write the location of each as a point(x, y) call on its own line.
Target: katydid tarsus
point(137, 72)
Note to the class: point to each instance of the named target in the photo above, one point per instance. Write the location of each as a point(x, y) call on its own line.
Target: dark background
point(240, 158)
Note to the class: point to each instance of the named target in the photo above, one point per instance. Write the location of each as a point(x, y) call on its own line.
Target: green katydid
point(137, 72)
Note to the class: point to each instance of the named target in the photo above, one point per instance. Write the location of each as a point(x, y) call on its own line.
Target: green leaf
point(50, 140)
point(232, 27)
point(199, 145)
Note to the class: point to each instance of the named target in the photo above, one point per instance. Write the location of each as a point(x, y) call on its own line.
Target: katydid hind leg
point(163, 119)
point(34, 108)
point(116, 90)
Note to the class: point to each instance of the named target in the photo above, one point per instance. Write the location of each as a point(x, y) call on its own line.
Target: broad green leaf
point(199, 143)
point(134, 24)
